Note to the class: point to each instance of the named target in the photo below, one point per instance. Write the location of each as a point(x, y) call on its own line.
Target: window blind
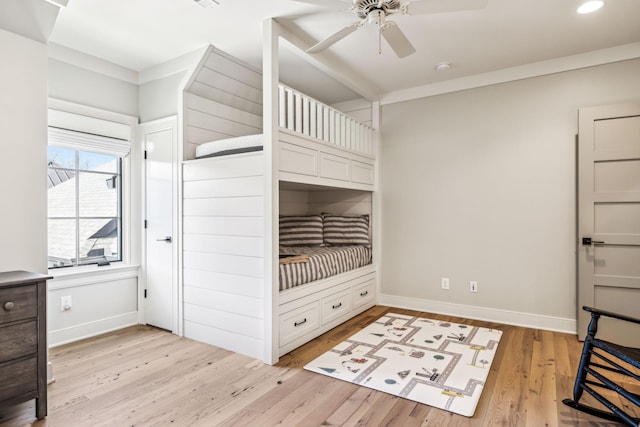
point(73, 140)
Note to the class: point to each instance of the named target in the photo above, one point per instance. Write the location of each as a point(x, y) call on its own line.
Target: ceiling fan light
point(590, 6)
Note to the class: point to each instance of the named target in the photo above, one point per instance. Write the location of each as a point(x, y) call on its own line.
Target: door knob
point(166, 239)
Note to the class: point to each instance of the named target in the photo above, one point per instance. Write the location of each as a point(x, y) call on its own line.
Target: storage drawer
point(296, 159)
point(18, 378)
point(364, 293)
point(18, 340)
point(362, 173)
point(335, 306)
point(298, 322)
point(334, 167)
point(20, 302)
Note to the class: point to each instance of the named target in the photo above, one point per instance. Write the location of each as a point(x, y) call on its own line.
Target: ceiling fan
point(377, 11)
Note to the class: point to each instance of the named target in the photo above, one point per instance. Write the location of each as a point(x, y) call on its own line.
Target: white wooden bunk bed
point(326, 177)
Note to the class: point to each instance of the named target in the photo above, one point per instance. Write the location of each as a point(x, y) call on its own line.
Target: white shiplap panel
point(229, 264)
point(222, 301)
point(234, 69)
point(196, 135)
point(240, 206)
point(229, 187)
point(222, 96)
point(228, 245)
point(222, 282)
point(217, 109)
point(219, 124)
point(231, 322)
point(249, 164)
point(224, 226)
point(242, 90)
point(251, 347)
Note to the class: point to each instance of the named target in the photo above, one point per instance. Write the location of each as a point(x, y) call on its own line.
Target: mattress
point(223, 147)
point(318, 262)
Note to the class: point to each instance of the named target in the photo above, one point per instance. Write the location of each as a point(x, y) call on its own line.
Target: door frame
point(166, 123)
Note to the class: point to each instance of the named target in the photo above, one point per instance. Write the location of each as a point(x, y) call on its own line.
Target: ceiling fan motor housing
point(362, 8)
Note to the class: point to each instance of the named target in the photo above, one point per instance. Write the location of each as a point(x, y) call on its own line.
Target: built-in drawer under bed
point(318, 262)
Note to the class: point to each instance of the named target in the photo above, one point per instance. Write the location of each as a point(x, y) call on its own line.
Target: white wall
point(73, 83)
point(23, 126)
point(159, 98)
point(480, 185)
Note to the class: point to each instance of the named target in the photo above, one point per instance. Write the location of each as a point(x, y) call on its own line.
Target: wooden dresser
point(23, 339)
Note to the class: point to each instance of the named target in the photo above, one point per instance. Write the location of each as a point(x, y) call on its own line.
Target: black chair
point(607, 359)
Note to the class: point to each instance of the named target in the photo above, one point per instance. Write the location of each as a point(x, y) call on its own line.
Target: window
point(84, 204)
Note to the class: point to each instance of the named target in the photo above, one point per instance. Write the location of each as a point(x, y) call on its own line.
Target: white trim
point(73, 277)
point(90, 112)
point(552, 66)
point(91, 329)
point(527, 320)
point(91, 63)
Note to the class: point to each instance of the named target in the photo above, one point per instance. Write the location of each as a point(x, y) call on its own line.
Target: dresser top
point(12, 278)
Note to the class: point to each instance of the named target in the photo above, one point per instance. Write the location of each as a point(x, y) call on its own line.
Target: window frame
point(95, 121)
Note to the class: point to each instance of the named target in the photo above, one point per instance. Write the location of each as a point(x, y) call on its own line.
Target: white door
point(161, 296)
point(609, 217)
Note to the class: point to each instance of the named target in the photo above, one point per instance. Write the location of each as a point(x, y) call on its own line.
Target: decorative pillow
point(341, 230)
point(301, 230)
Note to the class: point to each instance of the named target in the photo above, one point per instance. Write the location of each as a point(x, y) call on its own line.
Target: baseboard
point(91, 329)
point(528, 320)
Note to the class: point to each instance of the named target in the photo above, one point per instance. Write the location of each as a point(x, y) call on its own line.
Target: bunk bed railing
point(299, 113)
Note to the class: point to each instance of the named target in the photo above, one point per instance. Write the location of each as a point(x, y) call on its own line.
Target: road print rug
point(437, 363)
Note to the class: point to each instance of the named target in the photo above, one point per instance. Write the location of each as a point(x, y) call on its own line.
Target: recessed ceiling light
point(443, 66)
point(590, 6)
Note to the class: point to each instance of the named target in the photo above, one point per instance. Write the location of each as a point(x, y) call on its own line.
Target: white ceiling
point(139, 34)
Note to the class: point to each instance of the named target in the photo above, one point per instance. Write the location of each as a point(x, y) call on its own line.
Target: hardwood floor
point(142, 376)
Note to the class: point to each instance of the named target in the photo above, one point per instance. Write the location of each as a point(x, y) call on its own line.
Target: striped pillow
point(301, 230)
point(342, 230)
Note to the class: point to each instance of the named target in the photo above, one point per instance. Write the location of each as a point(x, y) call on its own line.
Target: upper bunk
point(317, 144)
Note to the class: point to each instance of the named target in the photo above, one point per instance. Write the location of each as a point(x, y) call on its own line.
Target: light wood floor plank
point(142, 376)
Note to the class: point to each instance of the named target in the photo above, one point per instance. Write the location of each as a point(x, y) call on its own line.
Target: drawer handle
point(296, 324)
point(337, 305)
point(364, 294)
point(9, 305)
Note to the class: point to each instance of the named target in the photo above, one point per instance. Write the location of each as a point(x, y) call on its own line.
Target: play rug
point(437, 363)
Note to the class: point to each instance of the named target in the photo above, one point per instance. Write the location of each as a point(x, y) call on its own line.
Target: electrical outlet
point(473, 286)
point(444, 283)
point(65, 303)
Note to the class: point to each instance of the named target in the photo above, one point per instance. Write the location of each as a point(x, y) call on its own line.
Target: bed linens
point(223, 147)
point(323, 262)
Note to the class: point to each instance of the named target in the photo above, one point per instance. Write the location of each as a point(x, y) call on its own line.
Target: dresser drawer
point(364, 292)
point(335, 306)
point(298, 322)
point(20, 302)
point(18, 340)
point(18, 378)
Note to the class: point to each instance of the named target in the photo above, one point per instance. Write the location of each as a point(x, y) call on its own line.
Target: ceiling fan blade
point(397, 40)
point(320, 46)
point(422, 7)
point(331, 4)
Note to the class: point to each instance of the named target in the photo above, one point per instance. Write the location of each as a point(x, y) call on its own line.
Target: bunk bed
point(326, 176)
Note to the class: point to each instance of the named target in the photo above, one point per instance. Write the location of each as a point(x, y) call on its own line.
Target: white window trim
point(76, 117)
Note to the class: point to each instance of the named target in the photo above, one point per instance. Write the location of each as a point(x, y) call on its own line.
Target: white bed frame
point(231, 206)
